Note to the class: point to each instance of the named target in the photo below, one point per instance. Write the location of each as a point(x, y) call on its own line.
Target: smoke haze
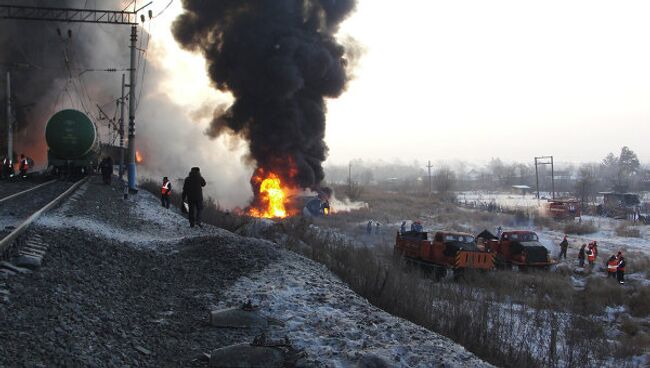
point(169, 135)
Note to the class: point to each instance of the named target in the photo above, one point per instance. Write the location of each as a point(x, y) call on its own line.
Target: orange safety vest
point(591, 255)
point(165, 190)
point(612, 265)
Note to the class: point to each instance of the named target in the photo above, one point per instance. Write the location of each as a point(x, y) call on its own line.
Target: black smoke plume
point(280, 60)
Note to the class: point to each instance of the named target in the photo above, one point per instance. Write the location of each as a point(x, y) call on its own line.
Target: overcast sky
point(470, 80)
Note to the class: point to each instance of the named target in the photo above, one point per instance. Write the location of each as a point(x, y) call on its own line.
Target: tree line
point(622, 172)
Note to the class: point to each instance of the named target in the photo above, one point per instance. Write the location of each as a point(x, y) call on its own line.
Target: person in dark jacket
point(106, 168)
point(563, 247)
point(193, 192)
point(620, 270)
point(581, 255)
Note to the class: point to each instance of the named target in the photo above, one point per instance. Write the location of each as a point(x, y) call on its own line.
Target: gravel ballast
point(105, 299)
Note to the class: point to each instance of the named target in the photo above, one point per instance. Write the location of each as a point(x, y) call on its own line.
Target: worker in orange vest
point(612, 266)
point(591, 255)
point(165, 192)
point(620, 271)
point(594, 246)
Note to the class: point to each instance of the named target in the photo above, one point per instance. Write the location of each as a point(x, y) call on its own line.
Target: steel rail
point(6, 242)
point(26, 191)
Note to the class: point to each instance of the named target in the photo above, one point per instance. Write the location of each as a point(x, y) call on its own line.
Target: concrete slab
point(247, 356)
point(238, 318)
point(28, 261)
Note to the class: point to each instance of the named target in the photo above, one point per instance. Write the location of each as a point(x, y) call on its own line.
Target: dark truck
point(519, 248)
point(445, 250)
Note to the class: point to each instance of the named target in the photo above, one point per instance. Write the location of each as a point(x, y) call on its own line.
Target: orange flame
point(138, 157)
point(273, 196)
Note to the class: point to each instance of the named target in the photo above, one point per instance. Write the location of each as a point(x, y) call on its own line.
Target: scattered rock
point(142, 350)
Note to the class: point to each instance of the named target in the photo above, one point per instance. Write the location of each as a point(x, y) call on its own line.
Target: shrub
point(627, 231)
point(639, 302)
point(580, 228)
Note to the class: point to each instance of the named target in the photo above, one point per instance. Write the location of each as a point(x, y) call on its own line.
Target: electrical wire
point(165, 8)
point(144, 67)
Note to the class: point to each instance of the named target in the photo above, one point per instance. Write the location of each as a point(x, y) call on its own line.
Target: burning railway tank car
point(72, 141)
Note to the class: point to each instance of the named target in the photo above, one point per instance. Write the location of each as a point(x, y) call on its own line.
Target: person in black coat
point(106, 167)
point(193, 192)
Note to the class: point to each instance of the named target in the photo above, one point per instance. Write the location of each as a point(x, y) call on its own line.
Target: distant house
point(522, 189)
point(619, 205)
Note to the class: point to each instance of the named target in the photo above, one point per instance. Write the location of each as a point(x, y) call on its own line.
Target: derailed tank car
point(73, 148)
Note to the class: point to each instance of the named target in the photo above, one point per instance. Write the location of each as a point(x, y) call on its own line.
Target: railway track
point(17, 212)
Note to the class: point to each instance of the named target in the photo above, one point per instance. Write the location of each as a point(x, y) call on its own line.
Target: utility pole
point(545, 160)
point(350, 174)
point(552, 179)
point(537, 180)
point(429, 166)
point(131, 166)
point(122, 102)
point(10, 132)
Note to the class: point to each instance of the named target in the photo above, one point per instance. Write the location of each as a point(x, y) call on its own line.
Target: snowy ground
point(143, 222)
point(509, 200)
point(336, 327)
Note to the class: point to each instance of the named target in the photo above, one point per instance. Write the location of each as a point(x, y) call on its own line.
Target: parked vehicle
point(516, 248)
point(443, 250)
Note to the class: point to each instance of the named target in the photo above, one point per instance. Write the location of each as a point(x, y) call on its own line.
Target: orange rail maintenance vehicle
point(446, 250)
point(519, 248)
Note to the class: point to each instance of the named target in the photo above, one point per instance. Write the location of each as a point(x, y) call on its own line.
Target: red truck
point(443, 250)
point(519, 248)
point(564, 209)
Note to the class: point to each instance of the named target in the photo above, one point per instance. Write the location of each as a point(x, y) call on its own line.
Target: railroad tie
point(35, 244)
point(15, 269)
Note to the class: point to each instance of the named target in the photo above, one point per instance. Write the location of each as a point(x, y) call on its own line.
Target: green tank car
point(72, 143)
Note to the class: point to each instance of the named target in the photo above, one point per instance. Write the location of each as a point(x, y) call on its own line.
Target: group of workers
point(8, 170)
point(192, 190)
point(615, 264)
point(369, 227)
point(192, 195)
point(415, 226)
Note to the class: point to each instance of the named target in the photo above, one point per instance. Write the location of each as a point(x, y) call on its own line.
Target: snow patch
point(321, 315)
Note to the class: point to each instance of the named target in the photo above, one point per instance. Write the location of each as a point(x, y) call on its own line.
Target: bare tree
point(444, 181)
point(586, 184)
